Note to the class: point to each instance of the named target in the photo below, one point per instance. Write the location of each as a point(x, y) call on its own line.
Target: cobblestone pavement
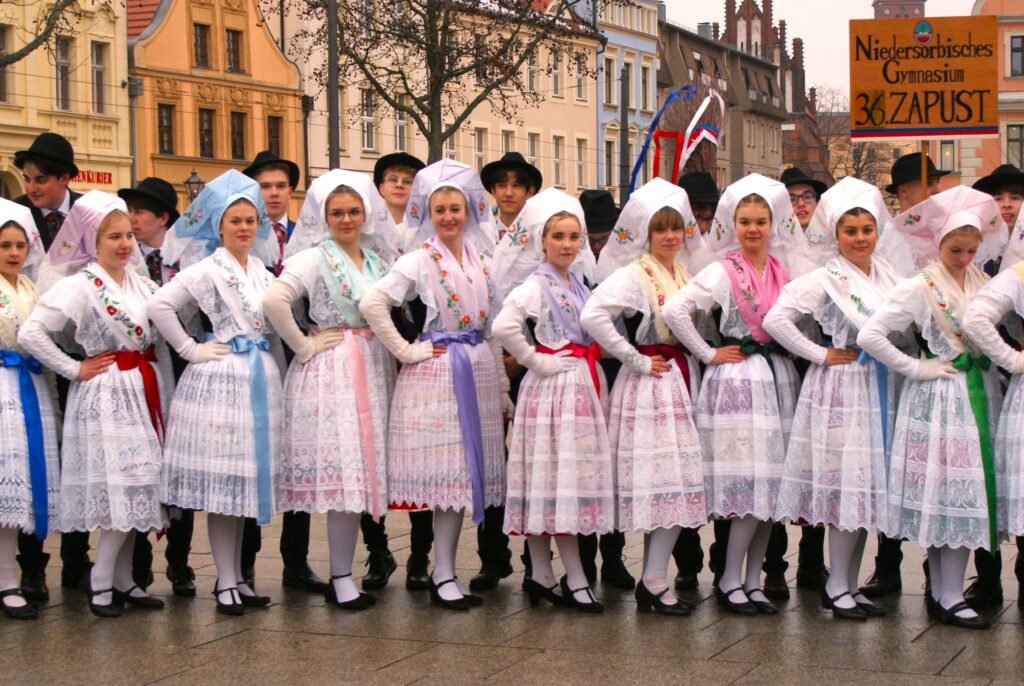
point(403, 640)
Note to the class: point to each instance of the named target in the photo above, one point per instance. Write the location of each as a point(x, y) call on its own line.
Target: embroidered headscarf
point(22, 216)
point(75, 243)
point(451, 174)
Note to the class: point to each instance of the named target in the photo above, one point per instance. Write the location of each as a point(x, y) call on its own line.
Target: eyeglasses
point(398, 180)
point(806, 196)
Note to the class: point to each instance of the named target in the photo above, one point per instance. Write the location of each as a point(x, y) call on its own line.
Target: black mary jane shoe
point(829, 603)
point(27, 611)
point(363, 601)
point(593, 607)
point(232, 609)
point(146, 602)
point(725, 601)
point(951, 617)
point(869, 608)
point(461, 603)
point(537, 592)
point(112, 609)
point(471, 598)
point(647, 601)
point(763, 607)
point(253, 600)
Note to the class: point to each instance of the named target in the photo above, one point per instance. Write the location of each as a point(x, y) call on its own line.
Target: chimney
point(662, 12)
point(812, 100)
point(704, 30)
point(766, 29)
point(782, 40)
point(730, 23)
point(798, 53)
point(799, 77)
point(715, 35)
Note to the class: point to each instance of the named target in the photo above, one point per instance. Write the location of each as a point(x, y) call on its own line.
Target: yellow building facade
point(75, 86)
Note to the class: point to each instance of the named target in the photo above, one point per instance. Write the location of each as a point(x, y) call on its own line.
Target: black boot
point(588, 556)
point(613, 569)
point(495, 557)
point(775, 565)
point(1018, 570)
point(689, 557)
point(33, 578)
point(811, 573)
point(381, 565)
point(421, 538)
point(987, 588)
point(886, 579)
point(417, 578)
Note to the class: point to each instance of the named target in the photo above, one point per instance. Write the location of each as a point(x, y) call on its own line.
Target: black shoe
point(232, 609)
point(113, 609)
point(417, 578)
point(144, 602)
point(645, 600)
point(536, 592)
point(471, 598)
point(724, 601)
point(829, 603)
point(363, 601)
point(33, 579)
point(489, 576)
point(880, 585)
point(775, 586)
point(593, 607)
point(252, 600)
point(686, 582)
point(27, 611)
point(461, 603)
point(951, 617)
point(304, 578)
point(763, 606)
point(811, 578)
point(615, 574)
point(381, 565)
point(982, 594)
point(182, 580)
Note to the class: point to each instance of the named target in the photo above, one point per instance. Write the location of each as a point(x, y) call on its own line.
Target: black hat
point(599, 211)
point(700, 187)
point(1001, 177)
point(157, 191)
point(908, 168)
point(265, 157)
point(51, 147)
point(794, 175)
point(509, 161)
point(395, 159)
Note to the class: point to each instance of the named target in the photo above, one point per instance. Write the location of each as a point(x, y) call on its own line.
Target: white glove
point(211, 351)
point(419, 351)
point(508, 408)
point(933, 368)
point(550, 365)
point(325, 340)
point(1018, 368)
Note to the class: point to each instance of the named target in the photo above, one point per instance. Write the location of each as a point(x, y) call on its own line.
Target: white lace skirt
point(210, 452)
point(561, 479)
point(835, 471)
point(660, 471)
point(324, 465)
point(16, 509)
point(744, 415)
point(1009, 458)
point(426, 459)
point(110, 456)
point(937, 491)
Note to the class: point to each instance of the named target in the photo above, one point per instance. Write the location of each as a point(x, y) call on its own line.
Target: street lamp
point(194, 185)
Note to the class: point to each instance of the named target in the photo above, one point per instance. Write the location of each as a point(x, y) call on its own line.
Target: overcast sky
point(823, 25)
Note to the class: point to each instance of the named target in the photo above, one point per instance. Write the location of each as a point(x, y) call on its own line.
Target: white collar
point(64, 208)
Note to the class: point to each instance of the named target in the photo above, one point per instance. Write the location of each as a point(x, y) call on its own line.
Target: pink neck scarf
point(754, 296)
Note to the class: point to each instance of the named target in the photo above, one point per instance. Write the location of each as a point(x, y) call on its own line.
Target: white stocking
point(102, 577)
point(222, 530)
point(342, 530)
point(841, 548)
point(8, 575)
point(755, 560)
point(540, 558)
point(741, 533)
point(658, 547)
point(447, 527)
point(569, 551)
point(123, 568)
point(954, 566)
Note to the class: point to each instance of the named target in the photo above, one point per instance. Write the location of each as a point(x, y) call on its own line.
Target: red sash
point(591, 353)
point(669, 352)
point(131, 359)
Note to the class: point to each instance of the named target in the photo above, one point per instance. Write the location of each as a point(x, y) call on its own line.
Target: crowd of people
point(778, 353)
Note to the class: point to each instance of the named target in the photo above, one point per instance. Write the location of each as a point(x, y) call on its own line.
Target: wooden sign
point(934, 78)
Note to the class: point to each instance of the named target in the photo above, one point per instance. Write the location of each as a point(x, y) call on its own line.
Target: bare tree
point(51, 19)
point(866, 160)
point(436, 61)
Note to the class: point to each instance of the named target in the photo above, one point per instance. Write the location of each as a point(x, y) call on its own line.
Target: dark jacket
point(37, 215)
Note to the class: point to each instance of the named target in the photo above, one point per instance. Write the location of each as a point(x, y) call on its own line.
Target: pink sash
point(350, 344)
point(754, 296)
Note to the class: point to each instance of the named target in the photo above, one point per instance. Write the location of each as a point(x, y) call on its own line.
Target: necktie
point(282, 238)
point(155, 265)
point(53, 223)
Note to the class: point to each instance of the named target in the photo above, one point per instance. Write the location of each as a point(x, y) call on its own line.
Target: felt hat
point(155, 190)
point(1005, 175)
point(509, 161)
point(908, 168)
point(51, 147)
point(700, 187)
point(265, 157)
point(794, 175)
point(599, 209)
point(395, 159)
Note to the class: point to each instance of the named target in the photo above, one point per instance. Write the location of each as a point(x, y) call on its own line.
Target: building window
point(581, 77)
point(99, 77)
point(479, 147)
point(274, 135)
point(531, 72)
point(206, 133)
point(556, 74)
point(1015, 144)
point(233, 50)
point(238, 135)
point(401, 127)
point(165, 129)
point(609, 163)
point(62, 58)
point(581, 163)
point(557, 143)
point(508, 142)
point(368, 120)
point(1016, 55)
point(947, 155)
point(201, 45)
point(449, 147)
point(609, 81)
point(645, 88)
point(532, 147)
point(627, 74)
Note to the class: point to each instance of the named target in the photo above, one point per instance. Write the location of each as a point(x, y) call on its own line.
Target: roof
point(140, 14)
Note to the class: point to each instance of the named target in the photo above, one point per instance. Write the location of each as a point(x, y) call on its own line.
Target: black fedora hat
point(157, 191)
point(395, 159)
point(794, 175)
point(266, 157)
point(599, 211)
point(700, 187)
point(908, 168)
point(51, 147)
point(1003, 176)
point(508, 162)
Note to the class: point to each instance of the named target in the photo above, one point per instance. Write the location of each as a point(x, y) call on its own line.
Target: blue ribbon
point(469, 409)
point(260, 415)
point(685, 92)
point(27, 366)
